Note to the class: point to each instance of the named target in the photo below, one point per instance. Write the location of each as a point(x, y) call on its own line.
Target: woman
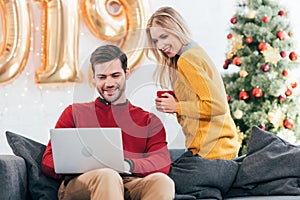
point(200, 104)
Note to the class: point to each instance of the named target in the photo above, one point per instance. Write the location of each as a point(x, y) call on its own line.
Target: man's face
point(110, 80)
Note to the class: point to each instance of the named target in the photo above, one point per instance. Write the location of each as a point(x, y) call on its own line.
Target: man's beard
point(112, 98)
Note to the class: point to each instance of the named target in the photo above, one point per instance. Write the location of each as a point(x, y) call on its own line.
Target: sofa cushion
point(271, 167)
point(40, 186)
point(13, 175)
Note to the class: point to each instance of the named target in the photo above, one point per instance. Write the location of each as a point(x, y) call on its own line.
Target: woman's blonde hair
point(169, 19)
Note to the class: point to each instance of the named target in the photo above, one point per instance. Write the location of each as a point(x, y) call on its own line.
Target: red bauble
point(249, 40)
point(281, 98)
point(243, 95)
point(294, 84)
point(225, 66)
point(285, 72)
point(288, 124)
point(257, 92)
point(282, 54)
point(227, 61)
point(280, 34)
point(233, 20)
point(288, 92)
point(265, 19)
point(262, 46)
point(262, 126)
point(293, 56)
point(281, 13)
point(229, 36)
point(265, 67)
point(236, 60)
point(228, 98)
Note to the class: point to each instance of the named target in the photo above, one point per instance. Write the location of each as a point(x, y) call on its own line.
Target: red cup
point(160, 92)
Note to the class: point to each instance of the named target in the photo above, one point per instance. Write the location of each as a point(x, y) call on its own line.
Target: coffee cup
point(161, 92)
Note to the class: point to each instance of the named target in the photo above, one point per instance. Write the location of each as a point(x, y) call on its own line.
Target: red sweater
point(144, 137)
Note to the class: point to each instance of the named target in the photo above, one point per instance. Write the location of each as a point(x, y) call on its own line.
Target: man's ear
point(127, 73)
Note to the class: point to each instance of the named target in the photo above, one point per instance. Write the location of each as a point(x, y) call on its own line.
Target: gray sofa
point(21, 177)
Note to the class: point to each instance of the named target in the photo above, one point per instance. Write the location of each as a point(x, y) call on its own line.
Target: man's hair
point(108, 53)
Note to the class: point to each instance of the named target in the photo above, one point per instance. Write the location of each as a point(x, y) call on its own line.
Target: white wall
point(31, 110)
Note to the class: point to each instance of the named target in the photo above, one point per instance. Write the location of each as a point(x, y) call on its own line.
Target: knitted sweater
point(144, 137)
point(203, 111)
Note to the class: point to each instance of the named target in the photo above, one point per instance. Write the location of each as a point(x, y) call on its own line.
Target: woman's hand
point(166, 104)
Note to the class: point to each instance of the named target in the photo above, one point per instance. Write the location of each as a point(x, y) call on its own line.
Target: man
point(144, 139)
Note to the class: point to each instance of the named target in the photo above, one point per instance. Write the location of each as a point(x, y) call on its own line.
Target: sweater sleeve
point(210, 100)
point(65, 120)
point(156, 157)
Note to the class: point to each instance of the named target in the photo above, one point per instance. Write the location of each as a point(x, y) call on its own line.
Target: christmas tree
point(262, 91)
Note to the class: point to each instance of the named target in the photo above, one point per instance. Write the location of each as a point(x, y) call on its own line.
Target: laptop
point(78, 150)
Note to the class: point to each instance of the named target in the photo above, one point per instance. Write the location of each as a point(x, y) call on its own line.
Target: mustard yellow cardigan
point(203, 111)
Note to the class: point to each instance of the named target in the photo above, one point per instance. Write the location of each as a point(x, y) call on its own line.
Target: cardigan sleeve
point(210, 100)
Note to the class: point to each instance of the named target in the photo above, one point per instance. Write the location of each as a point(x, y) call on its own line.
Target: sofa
point(21, 177)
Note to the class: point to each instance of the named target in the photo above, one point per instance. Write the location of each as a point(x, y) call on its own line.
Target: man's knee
point(162, 180)
point(107, 175)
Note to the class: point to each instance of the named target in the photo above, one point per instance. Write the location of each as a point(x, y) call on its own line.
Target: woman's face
point(165, 41)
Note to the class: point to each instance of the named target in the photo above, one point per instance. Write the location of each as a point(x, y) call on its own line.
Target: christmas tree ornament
point(236, 43)
point(283, 54)
point(228, 98)
point(288, 124)
point(225, 66)
point(265, 67)
point(262, 46)
point(238, 114)
point(257, 92)
point(288, 92)
point(243, 73)
point(294, 84)
point(265, 19)
point(233, 20)
point(236, 61)
point(276, 118)
point(243, 95)
point(262, 126)
point(281, 13)
point(271, 55)
point(285, 72)
point(249, 40)
point(229, 36)
point(229, 55)
point(241, 135)
point(280, 35)
point(281, 98)
point(291, 34)
point(293, 56)
point(251, 14)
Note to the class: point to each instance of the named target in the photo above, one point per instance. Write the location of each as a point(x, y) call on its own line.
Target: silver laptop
point(78, 150)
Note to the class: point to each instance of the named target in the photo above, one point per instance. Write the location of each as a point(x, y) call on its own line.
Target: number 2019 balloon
point(117, 21)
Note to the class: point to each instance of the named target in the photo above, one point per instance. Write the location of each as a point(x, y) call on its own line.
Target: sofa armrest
point(13, 176)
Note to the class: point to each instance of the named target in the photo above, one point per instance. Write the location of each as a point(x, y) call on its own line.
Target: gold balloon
point(16, 40)
point(120, 22)
point(60, 42)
